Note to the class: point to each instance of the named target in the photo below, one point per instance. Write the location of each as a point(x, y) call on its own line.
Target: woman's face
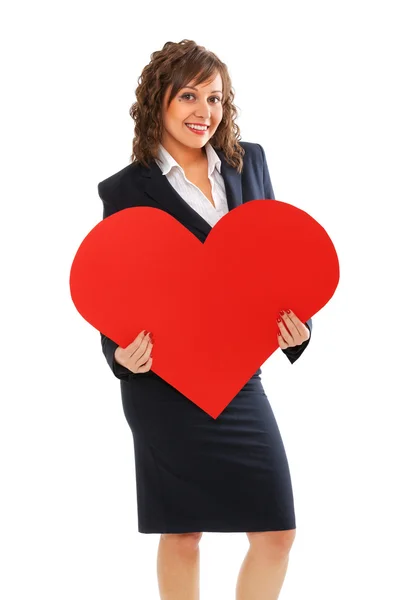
point(202, 105)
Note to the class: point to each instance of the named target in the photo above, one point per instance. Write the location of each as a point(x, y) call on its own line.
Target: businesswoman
point(195, 473)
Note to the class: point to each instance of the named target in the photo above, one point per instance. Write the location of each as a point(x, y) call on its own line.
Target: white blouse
point(190, 192)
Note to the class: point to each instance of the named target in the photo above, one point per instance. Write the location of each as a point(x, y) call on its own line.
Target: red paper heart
point(211, 306)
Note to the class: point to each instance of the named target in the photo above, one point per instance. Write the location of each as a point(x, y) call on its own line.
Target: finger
point(292, 338)
point(285, 331)
point(301, 327)
point(294, 332)
point(286, 337)
point(147, 353)
point(289, 323)
point(139, 345)
point(130, 349)
point(146, 367)
point(137, 360)
point(281, 341)
point(143, 351)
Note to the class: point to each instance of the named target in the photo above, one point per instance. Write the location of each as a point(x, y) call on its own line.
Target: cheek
point(179, 115)
point(218, 116)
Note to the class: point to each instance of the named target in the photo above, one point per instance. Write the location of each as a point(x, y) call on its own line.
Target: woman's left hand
point(297, 334)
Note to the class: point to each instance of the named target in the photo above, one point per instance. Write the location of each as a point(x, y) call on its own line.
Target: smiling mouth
point(206, 126)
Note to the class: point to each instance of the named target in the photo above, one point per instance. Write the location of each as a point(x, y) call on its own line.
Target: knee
point(187, 541)
point(275, 544)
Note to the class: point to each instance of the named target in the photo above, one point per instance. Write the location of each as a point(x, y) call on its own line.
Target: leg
point(178, 566)
point(264, 568)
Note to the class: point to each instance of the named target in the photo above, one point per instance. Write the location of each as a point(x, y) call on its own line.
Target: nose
point(203, 111)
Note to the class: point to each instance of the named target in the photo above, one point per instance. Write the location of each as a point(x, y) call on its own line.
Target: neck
point(185, 157)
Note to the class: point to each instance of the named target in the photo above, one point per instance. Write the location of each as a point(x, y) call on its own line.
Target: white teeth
point(200, 127)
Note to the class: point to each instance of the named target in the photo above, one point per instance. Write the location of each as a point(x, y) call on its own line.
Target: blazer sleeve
point(108, 345)
point(294, 352)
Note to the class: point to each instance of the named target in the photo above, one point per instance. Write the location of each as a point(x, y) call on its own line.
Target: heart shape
point(211, 306)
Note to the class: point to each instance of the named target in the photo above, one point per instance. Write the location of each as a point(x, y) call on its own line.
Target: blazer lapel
point(161, 191)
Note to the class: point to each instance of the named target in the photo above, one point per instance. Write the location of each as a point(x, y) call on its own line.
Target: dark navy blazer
point(136, 185)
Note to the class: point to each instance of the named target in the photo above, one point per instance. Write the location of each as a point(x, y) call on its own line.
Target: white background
point(316, 86)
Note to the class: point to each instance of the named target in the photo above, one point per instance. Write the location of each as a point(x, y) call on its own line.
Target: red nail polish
point(288, 311)
point(282, 312)
point(279, 320)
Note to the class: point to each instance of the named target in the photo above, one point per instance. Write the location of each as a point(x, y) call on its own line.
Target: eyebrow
point(193, 88)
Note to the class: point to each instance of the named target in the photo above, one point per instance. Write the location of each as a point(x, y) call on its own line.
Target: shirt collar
point(165, 161)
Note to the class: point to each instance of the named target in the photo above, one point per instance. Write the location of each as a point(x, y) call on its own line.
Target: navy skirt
point(195, 473)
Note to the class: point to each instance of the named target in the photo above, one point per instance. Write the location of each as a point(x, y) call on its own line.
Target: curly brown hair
point(178, 64)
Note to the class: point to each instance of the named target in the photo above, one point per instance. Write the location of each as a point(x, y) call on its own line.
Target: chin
point(195, 143)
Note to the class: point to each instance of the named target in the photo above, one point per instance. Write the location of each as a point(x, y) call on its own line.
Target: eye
point(188, 94)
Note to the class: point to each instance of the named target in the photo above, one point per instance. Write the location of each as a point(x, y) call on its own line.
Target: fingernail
point(279, 320)
point(282, 312)
point(288, 311)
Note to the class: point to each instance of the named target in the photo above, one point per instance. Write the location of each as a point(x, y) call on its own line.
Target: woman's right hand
point(136, 357)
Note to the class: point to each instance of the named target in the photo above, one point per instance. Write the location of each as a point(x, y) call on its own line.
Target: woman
point(195, 473)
